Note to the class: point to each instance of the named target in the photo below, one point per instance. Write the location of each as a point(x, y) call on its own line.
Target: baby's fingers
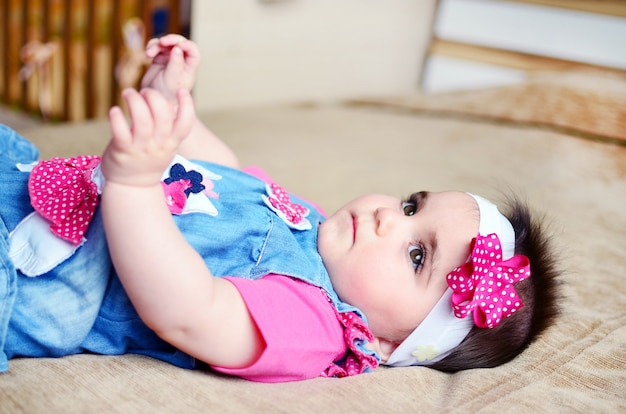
point(141, 115)
point(152, 47)
point(191, 53)
point(160, 113)
point(175, 66)
point(186, 114)
point(171, 39)
point(120, 131)
point(162, 44)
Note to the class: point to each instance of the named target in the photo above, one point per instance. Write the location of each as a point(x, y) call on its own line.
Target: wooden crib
point(67, 59)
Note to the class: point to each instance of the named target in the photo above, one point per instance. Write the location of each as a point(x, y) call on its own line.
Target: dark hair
point(485, 348)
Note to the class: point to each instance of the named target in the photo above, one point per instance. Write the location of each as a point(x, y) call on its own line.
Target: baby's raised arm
point(175, 61)
point(167, 281)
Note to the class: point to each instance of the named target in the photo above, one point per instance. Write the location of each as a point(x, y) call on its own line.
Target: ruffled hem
point(358, 358)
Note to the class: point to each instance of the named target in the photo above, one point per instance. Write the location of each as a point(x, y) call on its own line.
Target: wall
point(259, 52)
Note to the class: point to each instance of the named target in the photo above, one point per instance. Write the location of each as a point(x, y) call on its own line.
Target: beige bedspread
point(333, 153)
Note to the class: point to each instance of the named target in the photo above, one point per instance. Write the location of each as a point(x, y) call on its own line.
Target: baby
point(164, 247)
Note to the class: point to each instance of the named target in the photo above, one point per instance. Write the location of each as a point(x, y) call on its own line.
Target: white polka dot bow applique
point(484, 285)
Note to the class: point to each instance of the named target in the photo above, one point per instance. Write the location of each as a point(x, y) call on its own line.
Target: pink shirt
point(298, 324)
point(305, 336)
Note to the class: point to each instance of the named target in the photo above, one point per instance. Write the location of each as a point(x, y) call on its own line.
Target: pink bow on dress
point(63, 192)
point(484, 285)
point(280, 200)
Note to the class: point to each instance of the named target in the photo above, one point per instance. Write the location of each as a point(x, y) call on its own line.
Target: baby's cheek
point(371, 282)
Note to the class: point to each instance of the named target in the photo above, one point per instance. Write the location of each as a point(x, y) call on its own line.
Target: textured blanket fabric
point(579, 365)
point(589, 103)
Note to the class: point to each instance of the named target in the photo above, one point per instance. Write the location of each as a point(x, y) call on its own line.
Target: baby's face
point(390, 257)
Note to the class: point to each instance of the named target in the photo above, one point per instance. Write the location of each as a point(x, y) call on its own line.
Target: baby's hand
point(138, 153)
point(174, 65)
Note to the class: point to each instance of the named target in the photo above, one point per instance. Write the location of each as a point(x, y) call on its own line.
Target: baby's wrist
point(130, 189)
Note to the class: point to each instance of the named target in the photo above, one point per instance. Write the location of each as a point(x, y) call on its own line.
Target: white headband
point(440, 332)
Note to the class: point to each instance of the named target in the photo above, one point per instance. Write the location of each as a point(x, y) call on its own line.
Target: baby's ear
point(383, 348)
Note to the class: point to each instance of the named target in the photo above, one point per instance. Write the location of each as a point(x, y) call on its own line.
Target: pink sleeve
point(299, 325)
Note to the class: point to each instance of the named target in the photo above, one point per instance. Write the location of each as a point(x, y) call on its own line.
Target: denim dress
point(80, 305)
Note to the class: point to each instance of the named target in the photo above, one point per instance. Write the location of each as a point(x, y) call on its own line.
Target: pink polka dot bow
point(484, 285)
point(279, 201)
point(63, 192)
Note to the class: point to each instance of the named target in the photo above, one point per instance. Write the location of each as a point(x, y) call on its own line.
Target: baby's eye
point(409, 208)
point(416, 253)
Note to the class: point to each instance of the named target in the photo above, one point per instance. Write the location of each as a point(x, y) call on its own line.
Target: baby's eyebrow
point(419, 197)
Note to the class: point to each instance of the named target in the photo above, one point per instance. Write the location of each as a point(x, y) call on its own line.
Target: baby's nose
point(385, 220)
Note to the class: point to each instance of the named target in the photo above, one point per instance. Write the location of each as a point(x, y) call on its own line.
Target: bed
point(571, 166)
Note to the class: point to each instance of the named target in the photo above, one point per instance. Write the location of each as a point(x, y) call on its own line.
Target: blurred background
point(66, 60)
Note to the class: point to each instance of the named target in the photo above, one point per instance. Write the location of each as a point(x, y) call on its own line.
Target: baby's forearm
point(169, 284)
point(203, 144)
point(161, 273)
